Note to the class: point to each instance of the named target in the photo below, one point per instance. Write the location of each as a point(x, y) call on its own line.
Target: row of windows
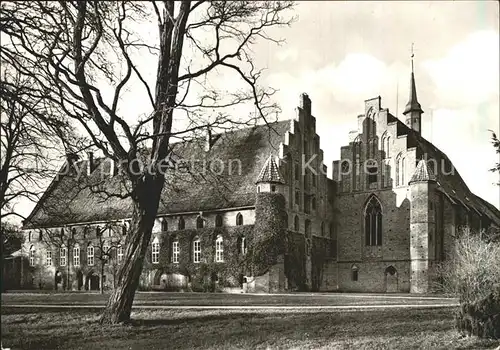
point(196, 253)
point(76, 255)
point(307, 226)
point(200, 222)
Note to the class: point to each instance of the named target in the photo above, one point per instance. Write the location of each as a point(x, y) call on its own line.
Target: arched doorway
point(79, 280)
point(391, 279)
point(92, 281)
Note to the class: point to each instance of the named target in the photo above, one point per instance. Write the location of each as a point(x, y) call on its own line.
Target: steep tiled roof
point(223, 177)
point(447, 176)
point(423, 172)
point(270, 172)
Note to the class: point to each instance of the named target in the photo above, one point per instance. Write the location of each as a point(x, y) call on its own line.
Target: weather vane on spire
point(412, 55)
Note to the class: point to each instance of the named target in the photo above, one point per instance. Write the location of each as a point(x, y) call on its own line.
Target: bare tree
point(77, 52)
point(32, 138)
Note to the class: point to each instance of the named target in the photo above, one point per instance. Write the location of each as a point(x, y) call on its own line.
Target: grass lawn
point(235, 329)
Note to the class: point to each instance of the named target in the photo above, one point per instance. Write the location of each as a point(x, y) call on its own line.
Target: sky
point(342, 53)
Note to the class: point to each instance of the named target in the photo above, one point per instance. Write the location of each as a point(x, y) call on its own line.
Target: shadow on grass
point(228, 329)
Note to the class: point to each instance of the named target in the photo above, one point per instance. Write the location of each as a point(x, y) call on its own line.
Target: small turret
point(422, 226)
point(270, 178)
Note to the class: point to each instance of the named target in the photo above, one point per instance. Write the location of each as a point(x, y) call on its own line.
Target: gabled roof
point(223, 177)
point(270, 172)
point(422, 172)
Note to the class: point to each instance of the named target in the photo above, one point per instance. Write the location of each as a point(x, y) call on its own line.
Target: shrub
point(473, 274)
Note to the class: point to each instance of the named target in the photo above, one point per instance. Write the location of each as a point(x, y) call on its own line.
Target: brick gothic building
point(389, 213)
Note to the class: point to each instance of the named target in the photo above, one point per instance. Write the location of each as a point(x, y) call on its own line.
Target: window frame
point(90, 257)
point(175, 251)
point(76, 255)
point(239, 219)
point(219, 249)
point(48, 258)
point(120, 253)
point(155, 251)
point(62, 257)
point(373, 227)
point(196, 250)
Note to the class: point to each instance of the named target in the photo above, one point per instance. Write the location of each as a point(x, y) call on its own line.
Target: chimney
point(91, 164)
point(305, 103)
point(71, 159)
point(208, 139)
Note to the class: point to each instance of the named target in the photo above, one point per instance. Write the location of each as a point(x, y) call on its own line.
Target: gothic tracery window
point(373, 222)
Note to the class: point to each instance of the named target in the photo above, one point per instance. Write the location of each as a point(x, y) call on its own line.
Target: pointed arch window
point(322, 228)
point(403, 171)
point(239, 219)
point(218, 220)
point(32, 256)
point(286, 221)
point(387, 149)
point(182, 224)
point(373, 222)
point(200, 223)
point(296, 226)
point(164, 225)
point(357, 149)
point(398, 170)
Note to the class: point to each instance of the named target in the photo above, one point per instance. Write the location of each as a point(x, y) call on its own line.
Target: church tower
point(413, 111)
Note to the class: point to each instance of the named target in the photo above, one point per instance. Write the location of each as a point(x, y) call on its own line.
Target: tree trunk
point(145, 208)
point(101, 282)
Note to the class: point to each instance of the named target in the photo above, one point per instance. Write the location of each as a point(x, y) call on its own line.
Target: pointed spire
point(270, 172)
point(423, 172)
point(412, 104)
